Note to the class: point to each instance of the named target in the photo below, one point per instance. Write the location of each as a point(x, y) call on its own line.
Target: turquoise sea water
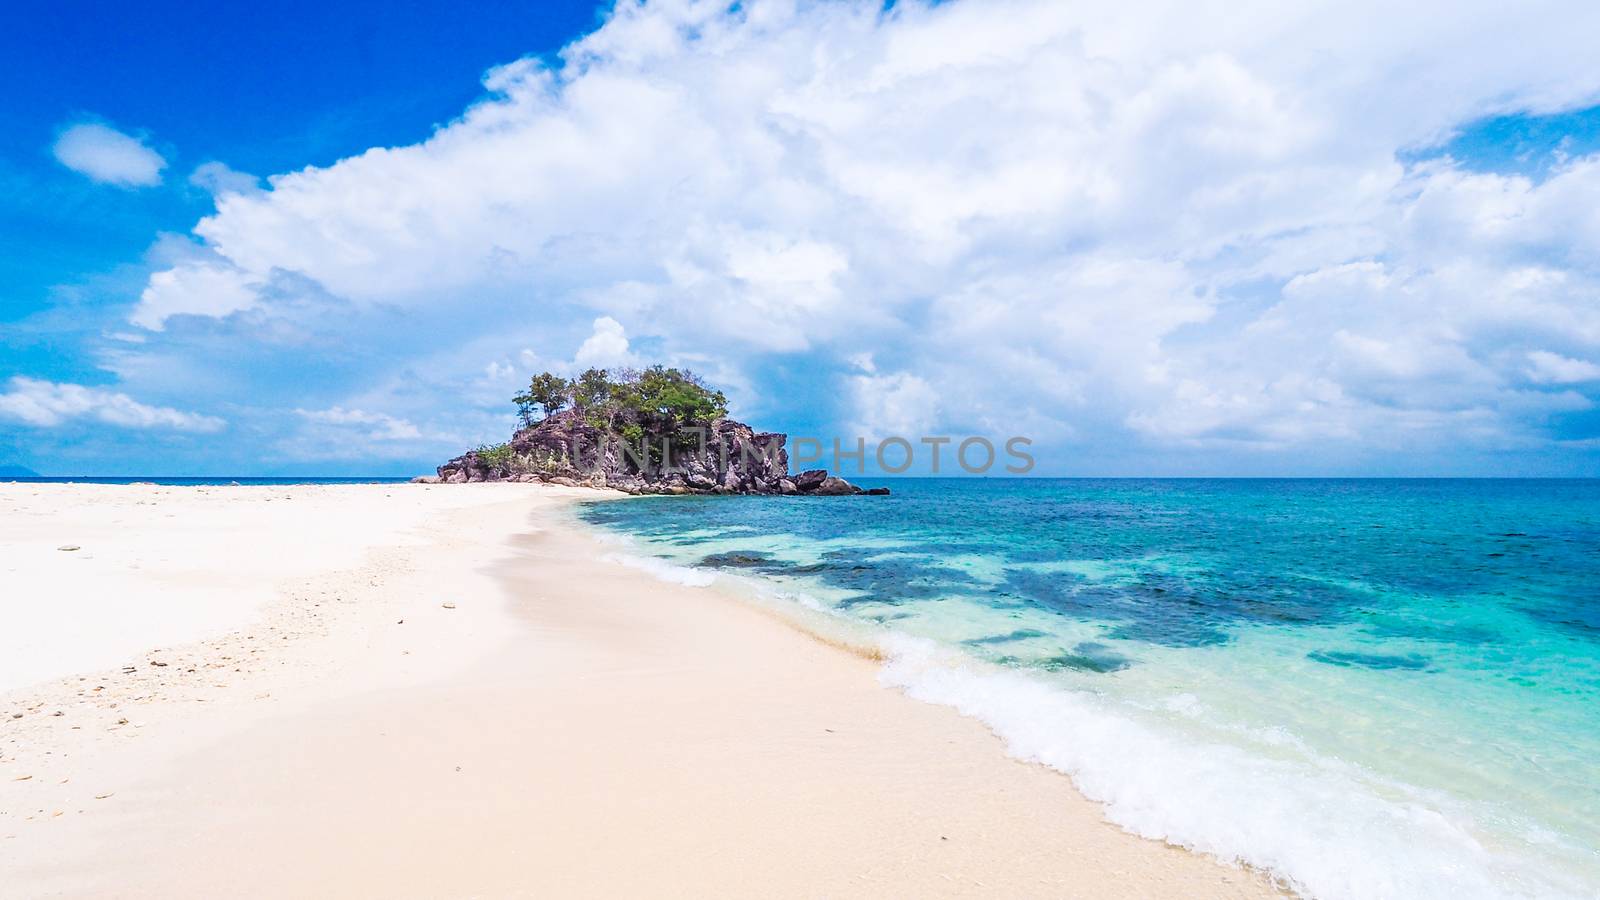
point(202, 481)
point(1370, 687)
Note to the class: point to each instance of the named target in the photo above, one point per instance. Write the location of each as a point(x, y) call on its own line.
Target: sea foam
point(1215, 661)
point(1321, 829)
point(666, 571)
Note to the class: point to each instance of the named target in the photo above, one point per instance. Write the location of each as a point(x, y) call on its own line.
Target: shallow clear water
point(1373, 687)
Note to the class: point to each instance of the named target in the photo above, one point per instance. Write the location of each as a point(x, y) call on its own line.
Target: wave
point(1321, 829)
point(664, 570)
point(1362, 776)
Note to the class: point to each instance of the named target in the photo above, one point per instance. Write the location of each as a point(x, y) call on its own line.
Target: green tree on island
point(546, 391)
point(591, 389)
point(657, 402)
point(668, 399)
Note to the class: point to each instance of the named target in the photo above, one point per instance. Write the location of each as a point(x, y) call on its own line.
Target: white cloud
point(194, 288)
point(108, 156)
point(607, 346)
point(375, 426)
point(893, 405)
point(1553, 368)
point(863, 362)
point(217, 178)
point(1145, 222)
point(358, 434)
point(46, 404)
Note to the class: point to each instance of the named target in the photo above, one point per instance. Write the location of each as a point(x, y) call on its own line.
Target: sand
point(567, 726)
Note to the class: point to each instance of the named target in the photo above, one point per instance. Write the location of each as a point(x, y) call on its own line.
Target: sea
point(1369, 688)
point(199, 481)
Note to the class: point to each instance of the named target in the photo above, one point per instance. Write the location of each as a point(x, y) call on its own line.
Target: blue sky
point(268, 87)
point(300, 238)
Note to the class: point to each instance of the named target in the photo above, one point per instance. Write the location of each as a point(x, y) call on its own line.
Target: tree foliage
point(545, 391)
point(666, 400)
point(498, 458)
point(655, 402)
point(592, 388)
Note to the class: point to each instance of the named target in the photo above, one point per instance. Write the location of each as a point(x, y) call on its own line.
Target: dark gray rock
point(810, 480)
point(722, 457)
point(836, 487)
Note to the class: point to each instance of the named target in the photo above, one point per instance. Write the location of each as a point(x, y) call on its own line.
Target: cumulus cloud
point(46, 404)
point(1152, 223)
point(108, 156)
point(607, 346)
point(196, 288)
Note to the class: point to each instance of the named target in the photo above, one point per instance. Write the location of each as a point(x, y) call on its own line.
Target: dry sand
point(569, 727)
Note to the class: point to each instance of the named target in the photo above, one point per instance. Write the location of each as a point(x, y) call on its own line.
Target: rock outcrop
point(724, 457)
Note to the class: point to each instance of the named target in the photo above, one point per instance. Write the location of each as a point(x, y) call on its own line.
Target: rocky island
point(652, 431)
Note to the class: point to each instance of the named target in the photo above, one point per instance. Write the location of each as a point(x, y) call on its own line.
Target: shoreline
point(573, 725)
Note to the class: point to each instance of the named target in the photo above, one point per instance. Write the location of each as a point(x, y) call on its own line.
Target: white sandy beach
point(254, 691)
